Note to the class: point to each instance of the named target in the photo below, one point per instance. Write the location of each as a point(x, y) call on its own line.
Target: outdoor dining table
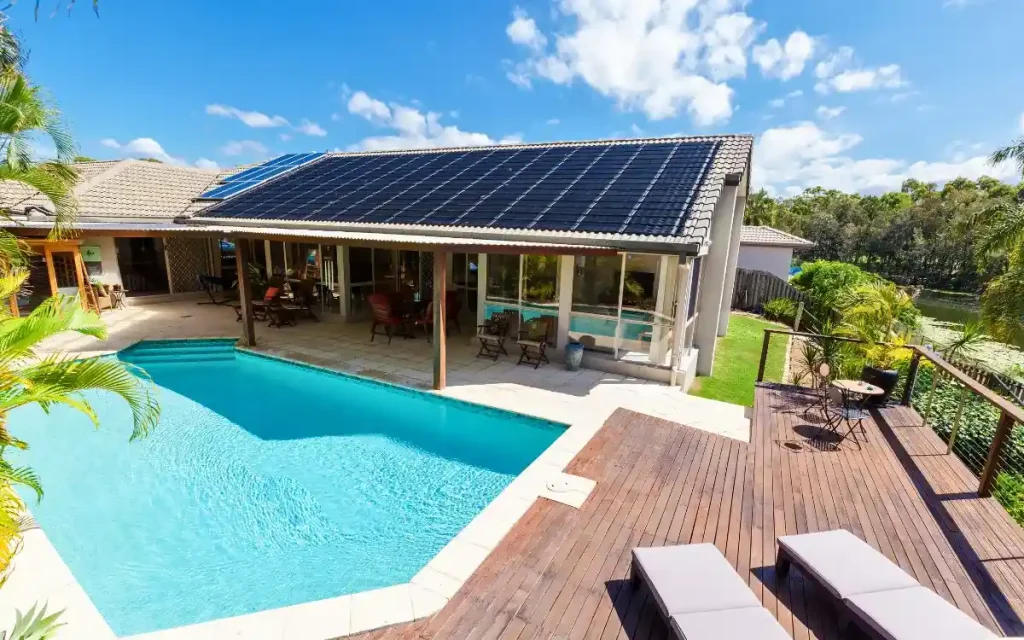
point(853, 410)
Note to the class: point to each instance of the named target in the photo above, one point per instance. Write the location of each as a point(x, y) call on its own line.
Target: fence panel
point(754, 288)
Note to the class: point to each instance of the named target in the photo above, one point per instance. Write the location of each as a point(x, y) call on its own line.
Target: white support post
point(284, 255)
point(713, 280)
point(662, 304)
point(566, 269)
point(167, 266)
point(730, 273)
point(266, 254)
point(481, 289)
point(682, 305)
point(344, 281)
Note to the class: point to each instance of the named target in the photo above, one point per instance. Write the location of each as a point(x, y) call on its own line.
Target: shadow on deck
point(561, 572)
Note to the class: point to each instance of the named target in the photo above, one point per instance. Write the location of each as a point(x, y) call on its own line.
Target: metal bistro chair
point(493, 333)
point(533, 341)
point(840, 411)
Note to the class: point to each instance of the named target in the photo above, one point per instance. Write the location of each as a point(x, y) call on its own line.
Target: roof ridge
point(551, 144)
point(101, 177)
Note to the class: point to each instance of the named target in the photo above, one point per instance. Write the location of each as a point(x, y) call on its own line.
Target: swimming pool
point(266, 484)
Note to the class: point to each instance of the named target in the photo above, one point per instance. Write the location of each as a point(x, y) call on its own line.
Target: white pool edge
point(424, 595)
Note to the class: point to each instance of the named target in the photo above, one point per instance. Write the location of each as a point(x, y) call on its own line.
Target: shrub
point(780, 310)
point(1009, 491)
point(825, 282)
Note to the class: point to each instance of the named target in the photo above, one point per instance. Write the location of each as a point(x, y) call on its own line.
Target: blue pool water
point(266, 484)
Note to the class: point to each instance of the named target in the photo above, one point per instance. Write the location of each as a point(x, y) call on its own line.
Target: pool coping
point(425, 594)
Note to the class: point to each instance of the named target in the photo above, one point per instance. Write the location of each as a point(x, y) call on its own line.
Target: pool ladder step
point(180, 352)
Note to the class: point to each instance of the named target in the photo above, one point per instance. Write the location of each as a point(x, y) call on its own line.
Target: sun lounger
point(884, 601)
point(700, 594)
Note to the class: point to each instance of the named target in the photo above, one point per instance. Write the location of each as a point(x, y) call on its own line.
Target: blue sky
point(850, 94)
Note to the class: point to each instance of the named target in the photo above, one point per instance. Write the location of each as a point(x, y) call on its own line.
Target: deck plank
point(562, 572)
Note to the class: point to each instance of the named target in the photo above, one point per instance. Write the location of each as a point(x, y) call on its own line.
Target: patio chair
point(304, 298)
point(533, 342)
point(841, 411)
point(493, 333)
point(701, 596)
point(883, 600)
point(217, 288)
point(452, 306)
point(385, 316)
point(259, 307)
point(425, 321)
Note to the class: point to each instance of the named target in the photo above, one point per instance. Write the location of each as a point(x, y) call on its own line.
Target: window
point(503, 278)
point(360, 263)
point(595, 285)
point(540, 281)
point(384, 270)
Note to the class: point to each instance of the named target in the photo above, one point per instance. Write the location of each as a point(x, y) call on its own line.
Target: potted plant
point(880, 369)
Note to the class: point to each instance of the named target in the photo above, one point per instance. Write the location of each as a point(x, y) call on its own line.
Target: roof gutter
point(476, 233)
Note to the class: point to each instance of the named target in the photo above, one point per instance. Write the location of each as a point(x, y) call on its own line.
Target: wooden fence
point(754, 288)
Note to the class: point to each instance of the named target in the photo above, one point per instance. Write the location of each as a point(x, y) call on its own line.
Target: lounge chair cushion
point(916, 613)
point(734, 624)
point(692, 578)
point(844, 564)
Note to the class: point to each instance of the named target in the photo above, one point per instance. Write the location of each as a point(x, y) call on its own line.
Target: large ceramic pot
point(573, 356)
point(886, 379)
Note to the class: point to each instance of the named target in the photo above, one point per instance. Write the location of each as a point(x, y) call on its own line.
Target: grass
point(736, 359)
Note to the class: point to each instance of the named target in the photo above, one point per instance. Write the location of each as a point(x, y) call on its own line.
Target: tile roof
point(681, 206)
point(771, 237)
point(123, 190)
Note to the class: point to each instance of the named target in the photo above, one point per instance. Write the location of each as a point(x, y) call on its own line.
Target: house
point(768, 249)
point(629, 247)
point(125, 232)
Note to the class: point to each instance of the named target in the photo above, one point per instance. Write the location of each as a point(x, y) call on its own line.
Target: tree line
point(920, 235)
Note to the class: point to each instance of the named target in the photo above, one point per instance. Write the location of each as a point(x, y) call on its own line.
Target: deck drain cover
point(558, 486)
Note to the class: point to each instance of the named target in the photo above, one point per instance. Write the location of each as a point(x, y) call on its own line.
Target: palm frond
point(19, 336)
point(35, 625)
point(54, 180)
point(24, 476)
point(11, 283)
point(13, 252)
point(1014, 151)
point(61, 381)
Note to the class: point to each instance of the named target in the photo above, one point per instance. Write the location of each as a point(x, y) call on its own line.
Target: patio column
point(266, 254)
point(440, 290)
point(481, 289)
point(245, 291)
point(679, 326)
point(713, 280)
point(566, 267)
point(730, 272)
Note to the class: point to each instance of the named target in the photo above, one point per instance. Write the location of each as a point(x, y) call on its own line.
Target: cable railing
point(983, 428)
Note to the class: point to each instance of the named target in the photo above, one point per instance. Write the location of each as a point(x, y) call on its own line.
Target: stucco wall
point(775, 260)
point(110, 272)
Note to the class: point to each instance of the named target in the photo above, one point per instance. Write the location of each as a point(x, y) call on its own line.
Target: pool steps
point(185, 352)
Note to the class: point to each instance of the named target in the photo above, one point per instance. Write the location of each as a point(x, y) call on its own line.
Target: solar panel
point(643, 187)
point(253, 176)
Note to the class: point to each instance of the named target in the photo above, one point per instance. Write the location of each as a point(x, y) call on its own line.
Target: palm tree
point(1014, 151)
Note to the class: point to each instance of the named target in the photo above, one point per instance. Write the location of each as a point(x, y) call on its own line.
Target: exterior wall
point(186, 258)
point(774, 260)
point(110, 270)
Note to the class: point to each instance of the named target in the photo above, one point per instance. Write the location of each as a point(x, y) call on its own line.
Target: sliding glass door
point(526, 285)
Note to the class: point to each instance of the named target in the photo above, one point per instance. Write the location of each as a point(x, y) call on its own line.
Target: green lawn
point(736, 359)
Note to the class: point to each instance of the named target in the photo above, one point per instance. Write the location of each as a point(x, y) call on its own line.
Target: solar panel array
point(645, 188)
point(251, 177)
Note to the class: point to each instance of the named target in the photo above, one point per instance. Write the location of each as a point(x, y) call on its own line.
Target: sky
point(856, 95)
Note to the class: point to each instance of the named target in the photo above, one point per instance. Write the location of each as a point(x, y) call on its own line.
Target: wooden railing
point(1010, 413)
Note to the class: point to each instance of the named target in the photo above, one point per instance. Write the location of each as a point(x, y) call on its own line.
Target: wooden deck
point(561, 572)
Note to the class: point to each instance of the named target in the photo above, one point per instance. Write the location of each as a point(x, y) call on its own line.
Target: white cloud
point(311, 129)
point(253, 119)
point(335, 116)
point(784, 61)
point(412, 128)
point(142, 148)
point(554, 121)
point(839, 73)
point(778, 103)
point(791, 159)
point(523, 30)
point(827, 113)
point(373, 110)
point(286, 137)
point(206, 163)
point(661, 57)
point(244, 147)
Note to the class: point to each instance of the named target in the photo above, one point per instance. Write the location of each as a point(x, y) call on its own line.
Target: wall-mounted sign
point(91, 253)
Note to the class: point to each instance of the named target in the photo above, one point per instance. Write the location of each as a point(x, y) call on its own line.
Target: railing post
point(799, 316)
point(764, 355)
point(957, 421)
point(989, 473)
point(908, 389)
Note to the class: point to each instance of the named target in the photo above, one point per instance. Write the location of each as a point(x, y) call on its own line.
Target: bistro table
point(852, 411)
point(117, 298)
